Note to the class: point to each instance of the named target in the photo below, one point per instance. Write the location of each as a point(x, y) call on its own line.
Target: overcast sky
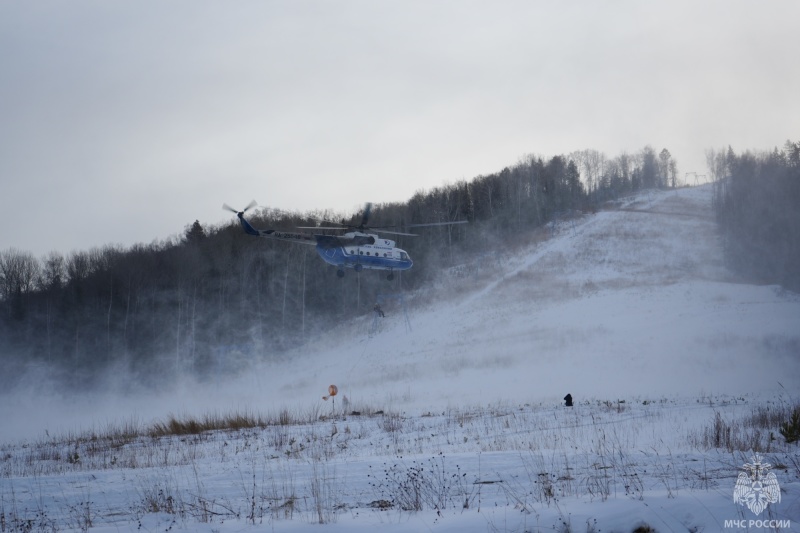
point(122, 122)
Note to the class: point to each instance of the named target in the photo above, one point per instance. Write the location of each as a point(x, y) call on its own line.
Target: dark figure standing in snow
point(568, 399)
point(378, 310)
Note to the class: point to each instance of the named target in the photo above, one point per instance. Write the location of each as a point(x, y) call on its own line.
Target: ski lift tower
point(696, 178)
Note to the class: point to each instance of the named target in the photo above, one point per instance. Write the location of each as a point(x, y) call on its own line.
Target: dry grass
point(234, 421)
point(600, 450)
point(189, 425)
point(756, 431)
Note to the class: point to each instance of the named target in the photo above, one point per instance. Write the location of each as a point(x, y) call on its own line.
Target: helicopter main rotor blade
point(398, 233)
point(338, 241)
point(229, 208)
point(437, 224)
point(365, 229)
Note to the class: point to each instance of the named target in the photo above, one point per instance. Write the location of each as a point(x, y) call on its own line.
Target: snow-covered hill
point(668, 356)
point(632, 300)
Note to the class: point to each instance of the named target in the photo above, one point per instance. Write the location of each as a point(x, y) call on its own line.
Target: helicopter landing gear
point(340, 273)
point(390, 277)
point(358, 268)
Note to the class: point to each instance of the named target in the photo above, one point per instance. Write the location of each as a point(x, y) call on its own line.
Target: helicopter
point(358, 248)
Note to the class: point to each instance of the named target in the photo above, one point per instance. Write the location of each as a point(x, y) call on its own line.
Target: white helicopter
point(357, 249)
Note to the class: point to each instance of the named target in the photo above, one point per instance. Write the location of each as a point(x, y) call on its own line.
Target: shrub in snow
point(791, 429)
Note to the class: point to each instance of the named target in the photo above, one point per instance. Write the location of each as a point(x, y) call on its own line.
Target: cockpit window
point(403, 256)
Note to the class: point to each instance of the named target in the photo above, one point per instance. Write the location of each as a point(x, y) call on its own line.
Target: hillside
point(632, 300)
point(678, 370)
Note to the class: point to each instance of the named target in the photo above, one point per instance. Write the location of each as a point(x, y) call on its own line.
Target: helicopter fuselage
point(356, 250)
point(372, 252)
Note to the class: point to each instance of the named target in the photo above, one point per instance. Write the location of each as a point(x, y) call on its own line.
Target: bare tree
point(19, 272)
point(54, 271)
point(667, 170)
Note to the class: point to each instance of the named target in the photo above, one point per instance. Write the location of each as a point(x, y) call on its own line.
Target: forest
point(757, 204)
point(208, 300)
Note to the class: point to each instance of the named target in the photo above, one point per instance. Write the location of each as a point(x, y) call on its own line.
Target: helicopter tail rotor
point(251, 205)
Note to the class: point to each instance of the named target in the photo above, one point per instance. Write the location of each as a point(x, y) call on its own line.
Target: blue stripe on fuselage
point(338, 257)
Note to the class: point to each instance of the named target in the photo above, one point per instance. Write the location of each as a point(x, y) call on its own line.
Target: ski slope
point(632, 300)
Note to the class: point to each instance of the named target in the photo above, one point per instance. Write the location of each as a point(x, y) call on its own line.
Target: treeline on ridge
point(208, 300)
point(757, 203)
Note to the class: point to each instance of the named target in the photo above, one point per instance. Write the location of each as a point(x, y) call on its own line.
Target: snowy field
point(679, 372)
